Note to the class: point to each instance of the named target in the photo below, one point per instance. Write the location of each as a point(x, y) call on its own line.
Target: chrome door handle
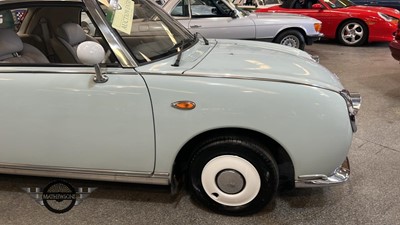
point(195, 26)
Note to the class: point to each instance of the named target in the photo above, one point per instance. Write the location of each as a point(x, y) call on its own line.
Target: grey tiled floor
point(372, 196)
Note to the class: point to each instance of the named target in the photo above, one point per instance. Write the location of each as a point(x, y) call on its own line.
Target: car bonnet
point(254, 60)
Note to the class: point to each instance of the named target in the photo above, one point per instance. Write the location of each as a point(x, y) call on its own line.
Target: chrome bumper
point(340, 175)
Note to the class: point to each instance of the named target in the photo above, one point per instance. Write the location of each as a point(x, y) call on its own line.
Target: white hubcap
point(239, 184)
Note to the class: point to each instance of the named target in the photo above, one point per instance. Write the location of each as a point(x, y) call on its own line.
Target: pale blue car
point(143, 100)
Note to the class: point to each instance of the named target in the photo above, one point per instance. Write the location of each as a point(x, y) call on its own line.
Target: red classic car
point(351, 24)
point(395, 45)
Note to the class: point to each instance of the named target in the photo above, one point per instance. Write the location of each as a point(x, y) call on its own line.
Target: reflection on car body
point(234, 119)
point(220, 19)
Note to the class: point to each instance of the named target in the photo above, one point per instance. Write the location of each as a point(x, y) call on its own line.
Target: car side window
point(209, 8)
point(181, 9)
point(87, 25)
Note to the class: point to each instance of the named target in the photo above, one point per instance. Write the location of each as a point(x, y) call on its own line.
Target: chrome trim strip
point(340, 175)
point(241, 78)
point(80, 70)
point(87, 174)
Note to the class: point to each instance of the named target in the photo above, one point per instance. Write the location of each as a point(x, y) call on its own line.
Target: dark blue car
point(386, 3)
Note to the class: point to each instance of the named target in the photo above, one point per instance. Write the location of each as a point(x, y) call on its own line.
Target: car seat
point(13, 50)
point(65, 44)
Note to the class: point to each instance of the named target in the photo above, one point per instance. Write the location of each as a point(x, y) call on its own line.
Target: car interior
point(41, 35)
point(56, 31)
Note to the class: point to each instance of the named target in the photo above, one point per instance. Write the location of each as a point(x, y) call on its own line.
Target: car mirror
point(233, 14)
point(317, 6)
point(90, 53)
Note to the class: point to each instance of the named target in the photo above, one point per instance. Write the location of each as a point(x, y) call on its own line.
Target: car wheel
point(233, 176)
point(353, 33)
point(292, 38)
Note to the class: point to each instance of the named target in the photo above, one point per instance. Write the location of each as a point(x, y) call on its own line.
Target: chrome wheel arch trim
point(158, 178)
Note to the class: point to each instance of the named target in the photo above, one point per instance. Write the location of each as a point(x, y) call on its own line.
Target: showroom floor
point(370, 197)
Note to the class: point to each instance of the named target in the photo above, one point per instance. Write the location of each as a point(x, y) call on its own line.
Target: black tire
point(220, 162)
point(352, 33)
point(292, 38)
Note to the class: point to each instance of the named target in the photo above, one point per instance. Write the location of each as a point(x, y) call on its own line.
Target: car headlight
point(386, 17)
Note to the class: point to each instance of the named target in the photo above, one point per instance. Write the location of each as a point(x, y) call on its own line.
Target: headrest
point(71, 33)
point(10, 42)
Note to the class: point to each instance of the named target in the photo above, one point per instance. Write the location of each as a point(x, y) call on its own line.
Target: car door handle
point(195, 26)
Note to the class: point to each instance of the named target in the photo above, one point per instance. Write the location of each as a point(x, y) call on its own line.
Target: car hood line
point(265, 61)
point(245, 78)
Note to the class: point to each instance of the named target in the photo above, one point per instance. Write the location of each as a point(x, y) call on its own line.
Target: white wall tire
point(231, 163)
point(233, 176)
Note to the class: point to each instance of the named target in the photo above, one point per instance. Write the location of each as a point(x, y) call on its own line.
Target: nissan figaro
point(143, 100)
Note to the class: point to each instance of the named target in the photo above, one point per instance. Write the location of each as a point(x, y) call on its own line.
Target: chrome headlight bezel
point(353, 101)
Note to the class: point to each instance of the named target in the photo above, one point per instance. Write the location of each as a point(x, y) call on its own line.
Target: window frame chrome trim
point(112, 38)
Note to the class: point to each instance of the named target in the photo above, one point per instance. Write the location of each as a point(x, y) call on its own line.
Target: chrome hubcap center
point(230, 181)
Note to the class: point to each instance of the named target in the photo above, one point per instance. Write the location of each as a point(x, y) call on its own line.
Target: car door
point(56, 116)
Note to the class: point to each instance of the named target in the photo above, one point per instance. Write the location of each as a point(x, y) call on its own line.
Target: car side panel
point(312, 124)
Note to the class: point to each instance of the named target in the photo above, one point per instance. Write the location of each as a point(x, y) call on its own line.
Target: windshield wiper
point(178, 58)
point(204, 39)
point(181, 44)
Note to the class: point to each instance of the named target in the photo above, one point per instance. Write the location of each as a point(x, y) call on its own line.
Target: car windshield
point(150, 34)
point(339, 3)
point(239, 11)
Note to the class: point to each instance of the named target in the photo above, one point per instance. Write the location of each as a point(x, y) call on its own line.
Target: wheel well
point(285, 164)
point(352, 19)
point(291, 28)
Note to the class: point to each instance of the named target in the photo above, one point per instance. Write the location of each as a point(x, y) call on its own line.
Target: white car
point(234, 119)
point(220, 19)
